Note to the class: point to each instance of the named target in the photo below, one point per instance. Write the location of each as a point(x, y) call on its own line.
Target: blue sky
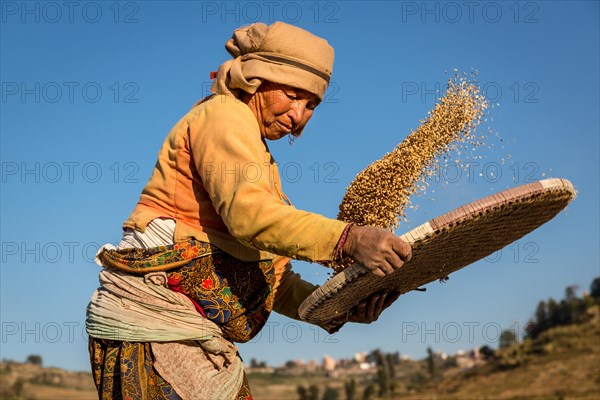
point(90, 89)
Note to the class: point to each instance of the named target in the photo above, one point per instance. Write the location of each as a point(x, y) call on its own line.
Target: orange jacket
point(217, 179)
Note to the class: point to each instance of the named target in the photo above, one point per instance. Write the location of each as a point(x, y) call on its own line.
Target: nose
point(297, 112)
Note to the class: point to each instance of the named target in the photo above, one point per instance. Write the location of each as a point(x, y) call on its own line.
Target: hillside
point(561, 363)
point(30, 381)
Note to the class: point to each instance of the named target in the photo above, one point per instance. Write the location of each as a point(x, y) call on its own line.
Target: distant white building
point(360, 357)
point(468, 359)
point(329, 363)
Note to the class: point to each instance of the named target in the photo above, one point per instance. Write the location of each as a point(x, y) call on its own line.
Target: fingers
point(367, 310)
point(379, 306)
point(377, 249)
point(390, 298)
point(376, 305)
point(378, 272)
point(391, 263)
point(370, 309)
point(361, 309)
point(402, 249)
point(386, 267)
point(382, 270)
point(394, 260)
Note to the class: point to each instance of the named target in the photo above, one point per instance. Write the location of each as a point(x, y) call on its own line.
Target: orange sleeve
point(241, 179)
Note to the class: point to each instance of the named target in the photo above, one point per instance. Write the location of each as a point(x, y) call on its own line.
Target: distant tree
point(390, 362)
point(376, 356)
point(541, 317)
point(450, 362)
point(595, 289)
point(554, 313)
point(290, 364)
point(571, 293)
point(578, 305)
point(257, 364)
point(383, 380)
point(35, 359)
point(570, 306)
point(540, 322)
point(383, 375)
point(350, 389)
point(301, 390)
point(431, 367)
point(487, 352)
point(17, 387)
point(331, 394)
point(369, 391)
point(530, 329)
point(313, 392)
point(570, 310)
point(507, 339)
point(565, 314)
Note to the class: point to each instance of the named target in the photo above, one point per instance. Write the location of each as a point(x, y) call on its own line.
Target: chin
point(275, 136)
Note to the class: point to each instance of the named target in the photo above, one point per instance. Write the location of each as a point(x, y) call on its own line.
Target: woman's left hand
point(369, 309)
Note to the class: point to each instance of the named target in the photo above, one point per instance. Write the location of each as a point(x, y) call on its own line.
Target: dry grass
point(569, 368)
point(564, 365)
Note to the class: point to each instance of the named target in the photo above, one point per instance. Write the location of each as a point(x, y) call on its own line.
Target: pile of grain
point(379, 194)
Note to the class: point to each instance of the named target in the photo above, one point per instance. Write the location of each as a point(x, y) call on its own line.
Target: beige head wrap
point(279, 53)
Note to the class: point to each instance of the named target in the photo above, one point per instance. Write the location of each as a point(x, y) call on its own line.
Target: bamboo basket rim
point(446, 244)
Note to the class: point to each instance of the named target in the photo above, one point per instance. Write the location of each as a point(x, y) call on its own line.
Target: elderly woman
point(205, 254)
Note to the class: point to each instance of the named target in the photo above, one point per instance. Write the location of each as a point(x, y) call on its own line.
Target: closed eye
point(291, 96)
point(311, 105)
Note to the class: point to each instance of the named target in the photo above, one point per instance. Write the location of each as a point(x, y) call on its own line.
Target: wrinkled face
point(281, 110)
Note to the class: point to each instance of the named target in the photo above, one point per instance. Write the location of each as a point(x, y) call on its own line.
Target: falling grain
point(380, 193)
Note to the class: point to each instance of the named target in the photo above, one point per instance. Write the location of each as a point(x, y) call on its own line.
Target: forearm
point(290, 291)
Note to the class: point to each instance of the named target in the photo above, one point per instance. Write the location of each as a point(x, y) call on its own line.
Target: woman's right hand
point(377, 249)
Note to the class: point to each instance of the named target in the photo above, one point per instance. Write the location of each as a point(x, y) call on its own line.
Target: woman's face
point(281, 110)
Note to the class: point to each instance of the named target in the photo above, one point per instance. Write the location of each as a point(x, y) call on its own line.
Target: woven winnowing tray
point(446, 244)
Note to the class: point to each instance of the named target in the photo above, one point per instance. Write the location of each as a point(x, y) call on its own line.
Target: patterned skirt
point(236, 295)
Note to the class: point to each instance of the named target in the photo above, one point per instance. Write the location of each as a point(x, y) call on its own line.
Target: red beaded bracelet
point(337, 253)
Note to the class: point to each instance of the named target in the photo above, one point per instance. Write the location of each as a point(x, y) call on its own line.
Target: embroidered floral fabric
point(236, 295)
point(124, 370)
